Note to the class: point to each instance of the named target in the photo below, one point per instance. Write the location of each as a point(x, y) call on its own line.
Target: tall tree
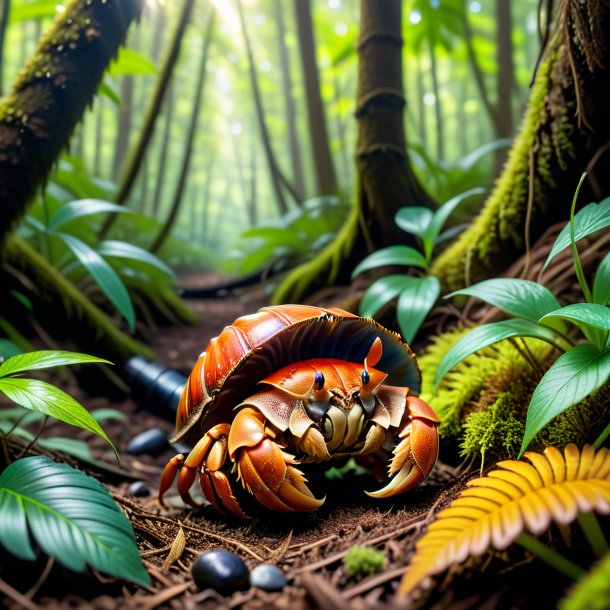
point(565, 130)
point(386, 179)
point(326, 180)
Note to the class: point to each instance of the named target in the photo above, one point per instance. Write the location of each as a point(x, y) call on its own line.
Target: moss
point(362, 561)
point(592, 591)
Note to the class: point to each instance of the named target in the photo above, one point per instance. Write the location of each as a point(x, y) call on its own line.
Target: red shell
point(256, 345)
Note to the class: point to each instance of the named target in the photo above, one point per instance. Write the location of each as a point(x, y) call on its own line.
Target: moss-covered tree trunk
point(386, 179)
point(565, 131)
point(51, 94)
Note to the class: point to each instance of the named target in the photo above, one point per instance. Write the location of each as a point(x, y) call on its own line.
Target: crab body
point(293, 385)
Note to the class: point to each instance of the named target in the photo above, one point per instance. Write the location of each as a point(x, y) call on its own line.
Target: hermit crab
point(294, 385)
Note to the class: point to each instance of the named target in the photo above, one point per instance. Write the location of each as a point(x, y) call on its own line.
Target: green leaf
point(414, 219)
point(488, 334)
point(70, 516)
point(601, 283)
point(573, 376)
point(41, 396)
point(38, 9)
point(393, 255)
point(108, 89)
point(517, 297)
point(381, 292)
point(415, 301)
point(45, 359)
point(8, 349)
point(591, 218)
point(105, 276)
point(70, 446)
point(130, 62)
point(583, 314)
point(441, 216)
point(124, 250)
point(102, 415)
point(83, 207)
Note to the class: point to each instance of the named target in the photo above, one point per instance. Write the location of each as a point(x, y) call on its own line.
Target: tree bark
point(438, 115)
point(125, 115)
point(386, 179)
point(565, 130)
point(51, 94)
point(165, 140)
point(326, 180)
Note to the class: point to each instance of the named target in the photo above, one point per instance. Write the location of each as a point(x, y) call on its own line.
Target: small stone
point(268, 577)
point(138, 489)
point(181, 448)
point(151, 442)
point(220, 570)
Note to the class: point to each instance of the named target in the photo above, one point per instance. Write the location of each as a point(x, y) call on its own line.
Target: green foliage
point(37, 395)
point(592, 591)
point(416, 295)
point(279, 244)
point(70, 516)
point(362, 561)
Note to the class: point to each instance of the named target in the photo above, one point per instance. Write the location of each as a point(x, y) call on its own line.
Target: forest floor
point(309, 548)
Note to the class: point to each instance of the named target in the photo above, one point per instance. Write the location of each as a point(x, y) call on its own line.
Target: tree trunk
point(190, 139)
point(123, 125)
point(166, 137)
point(326, 180)
point(4, 15)
point(274, 171)
point(289, 107)
point(386, 178)
point(51, 94)
point(565, 130)
point(438, 115)
point(423, 135)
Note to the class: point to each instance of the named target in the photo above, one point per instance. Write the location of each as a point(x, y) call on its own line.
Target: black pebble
point(138, 489)
point(268, 577)
point(151, 442)
point(220, 570)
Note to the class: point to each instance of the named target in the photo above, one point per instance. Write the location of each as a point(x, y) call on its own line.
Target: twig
point(163, 596)
point(371, 583)
point(323, 594)
point(21, 599)
point(33, 441)
point(41, 579)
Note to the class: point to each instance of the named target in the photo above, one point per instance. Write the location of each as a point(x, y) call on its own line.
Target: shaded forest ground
point(308, 547)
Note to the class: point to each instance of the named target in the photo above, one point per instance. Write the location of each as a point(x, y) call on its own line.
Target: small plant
point(416, 295)
point(501, 508)
point(363, 561)
point(581, 368)
point(68, 514)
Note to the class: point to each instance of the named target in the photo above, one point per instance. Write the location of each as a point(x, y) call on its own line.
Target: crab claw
point(416, 453)
point(264, 469)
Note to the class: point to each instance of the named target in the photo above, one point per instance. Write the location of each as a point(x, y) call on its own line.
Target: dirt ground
point(309, 548)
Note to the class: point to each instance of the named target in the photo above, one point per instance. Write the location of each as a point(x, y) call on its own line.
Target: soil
point(309, 548)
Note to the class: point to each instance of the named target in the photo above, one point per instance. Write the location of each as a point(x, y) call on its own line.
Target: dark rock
point(220, 570)
point(181, 448)
point(268, 577)
point(138, 489)
point(151, 442)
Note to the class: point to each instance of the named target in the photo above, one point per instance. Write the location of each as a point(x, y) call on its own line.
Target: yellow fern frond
point(497, 508)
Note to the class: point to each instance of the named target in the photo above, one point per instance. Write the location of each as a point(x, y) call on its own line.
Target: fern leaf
point(592, 591)
point(497, 508)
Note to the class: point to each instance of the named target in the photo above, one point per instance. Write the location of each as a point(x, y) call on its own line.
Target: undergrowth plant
point(584, 364)
point(515, 503)
point(64, 512)
point(416, 294)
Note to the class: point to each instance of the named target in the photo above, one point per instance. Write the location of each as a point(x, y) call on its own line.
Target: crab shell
point(256, 345)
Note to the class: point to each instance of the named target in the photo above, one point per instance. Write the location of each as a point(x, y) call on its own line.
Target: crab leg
point(416, 453)
point(264, 469)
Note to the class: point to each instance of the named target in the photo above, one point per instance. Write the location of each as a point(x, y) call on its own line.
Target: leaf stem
point(599, 441)
point(593, 533)
point(577, 264)
point(44, 423)
point(551, 557)
point(16, 424)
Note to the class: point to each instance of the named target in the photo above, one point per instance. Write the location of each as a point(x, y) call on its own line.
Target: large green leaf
point(416, 299)
point(45, 359)
point(517, 297)
point(414, 219)
point(37, 9)
point(105, 276)
point(574, 376)
point(8, 349)
point(601, 283)
point(124, 250)
point(591, 218)
point(593, 319)
point(131, 62)
point(70, 516)
point(41, 396)
point(83, 207)
point(441, 216)
point(392, 255)
point(381, 292)
point(488, 334)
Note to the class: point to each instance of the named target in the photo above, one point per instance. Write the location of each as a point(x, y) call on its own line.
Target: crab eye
point(365, 377)
point(318, 381)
